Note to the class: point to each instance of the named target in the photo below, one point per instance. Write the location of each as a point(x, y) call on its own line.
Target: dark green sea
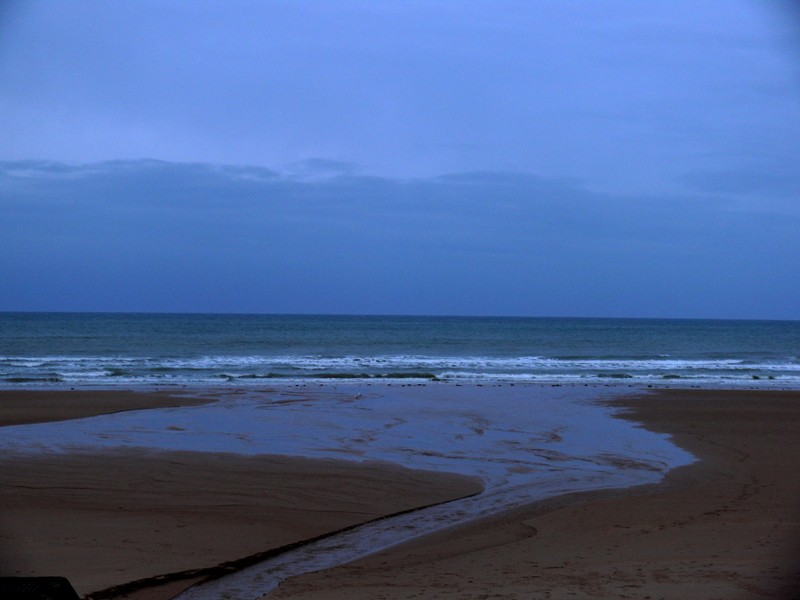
point(81, 349)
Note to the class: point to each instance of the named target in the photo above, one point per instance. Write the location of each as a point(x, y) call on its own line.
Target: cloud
point(154, 235)
point(625, 95)
point(775, 183)
point(321, 168)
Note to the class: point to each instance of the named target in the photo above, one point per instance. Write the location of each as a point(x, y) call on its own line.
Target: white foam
point(213, 368)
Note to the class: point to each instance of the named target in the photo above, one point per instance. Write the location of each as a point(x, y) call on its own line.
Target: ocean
point(116, 349)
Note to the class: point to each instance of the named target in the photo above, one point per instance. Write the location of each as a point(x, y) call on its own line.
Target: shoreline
point(411, 567)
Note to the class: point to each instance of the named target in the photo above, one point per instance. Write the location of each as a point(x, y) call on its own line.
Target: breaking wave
point(204, 370)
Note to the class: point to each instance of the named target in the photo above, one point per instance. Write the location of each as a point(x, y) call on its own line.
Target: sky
point(543, 157)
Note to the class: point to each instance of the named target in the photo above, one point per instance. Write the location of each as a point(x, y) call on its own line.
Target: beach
point(106, 519)
point(725, 526)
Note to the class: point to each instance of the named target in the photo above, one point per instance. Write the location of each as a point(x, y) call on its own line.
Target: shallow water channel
point(526, 442)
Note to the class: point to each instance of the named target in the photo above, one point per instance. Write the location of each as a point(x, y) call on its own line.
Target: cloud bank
point(161, 236)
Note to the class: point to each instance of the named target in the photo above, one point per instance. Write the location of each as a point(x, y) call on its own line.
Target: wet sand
point(726, 527)
point(105, 519)
point(38, 406)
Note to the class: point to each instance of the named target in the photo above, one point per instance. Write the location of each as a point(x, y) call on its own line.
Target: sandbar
point(22, 407)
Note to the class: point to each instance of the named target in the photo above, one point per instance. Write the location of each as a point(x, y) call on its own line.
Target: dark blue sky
point(617, 158)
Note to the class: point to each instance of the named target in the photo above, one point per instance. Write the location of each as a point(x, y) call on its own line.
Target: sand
point(726, 527)
point(38, 406)
point(108, 518)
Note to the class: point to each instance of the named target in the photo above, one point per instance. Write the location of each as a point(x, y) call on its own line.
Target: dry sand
point(726, 527)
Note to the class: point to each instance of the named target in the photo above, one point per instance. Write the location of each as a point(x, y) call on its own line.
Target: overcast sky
point(608, 158)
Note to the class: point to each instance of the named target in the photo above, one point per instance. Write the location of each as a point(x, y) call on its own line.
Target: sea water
point(85, 350)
